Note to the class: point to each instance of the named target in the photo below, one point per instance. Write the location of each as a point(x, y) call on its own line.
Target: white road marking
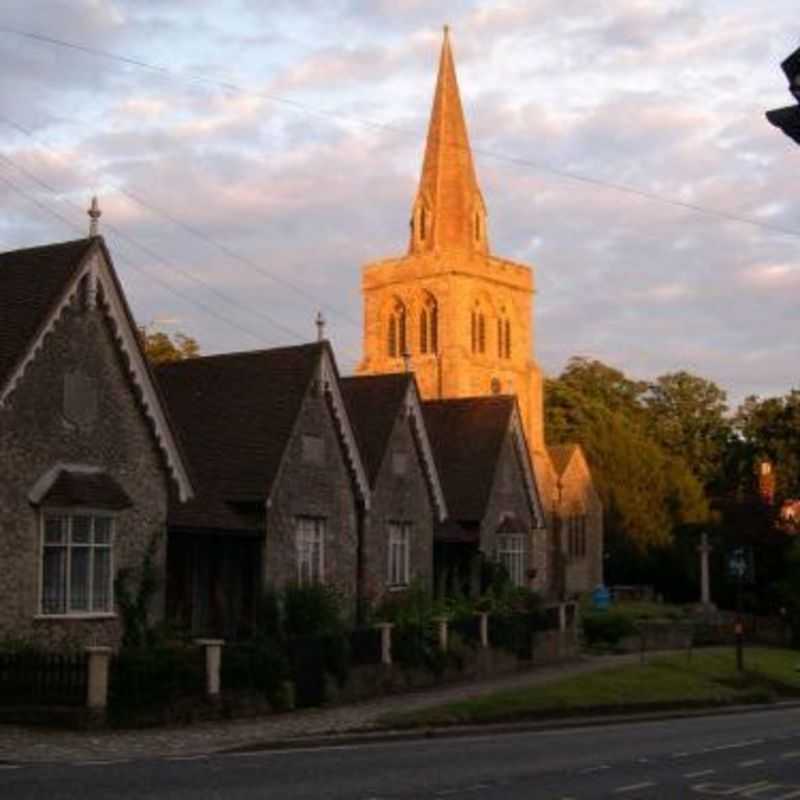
point(100, 762)
point(699, 774)
point(734, 746)
point(634, 786)
point(754, 762)
point(680, 755)
point(598, 768)
point(10, 766)
point(792, 754)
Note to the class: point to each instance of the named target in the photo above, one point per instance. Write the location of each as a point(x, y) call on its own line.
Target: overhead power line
point(168, 287)
point(194, 77)
point(198, 233)
point(166, 262)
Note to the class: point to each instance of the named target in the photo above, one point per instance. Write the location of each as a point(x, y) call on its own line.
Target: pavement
point(20, 744)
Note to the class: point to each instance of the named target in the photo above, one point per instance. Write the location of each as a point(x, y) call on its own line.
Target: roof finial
point(320, 323)
point(446, 31)
point(94, 213)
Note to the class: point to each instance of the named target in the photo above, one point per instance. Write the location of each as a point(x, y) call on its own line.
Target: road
point(747, 755)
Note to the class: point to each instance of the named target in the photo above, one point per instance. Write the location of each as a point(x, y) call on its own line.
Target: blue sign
point(601, 597)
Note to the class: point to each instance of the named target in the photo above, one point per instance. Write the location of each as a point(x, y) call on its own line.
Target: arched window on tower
point(396, 330)
point(503, 335)
point(478, 329)
point(429, 326)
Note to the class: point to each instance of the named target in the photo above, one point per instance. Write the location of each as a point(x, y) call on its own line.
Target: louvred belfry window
point(396, 338)
point(429, 326)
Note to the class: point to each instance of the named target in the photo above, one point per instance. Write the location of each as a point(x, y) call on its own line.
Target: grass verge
point(709, 679)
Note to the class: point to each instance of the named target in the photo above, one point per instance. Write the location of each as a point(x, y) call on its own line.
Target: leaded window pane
point(54, 570)
point(101, 580)
point(79, 579)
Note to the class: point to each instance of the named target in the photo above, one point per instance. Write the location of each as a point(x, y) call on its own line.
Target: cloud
point(258, 138)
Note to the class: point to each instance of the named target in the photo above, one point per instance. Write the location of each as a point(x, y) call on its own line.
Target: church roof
point(467, 435)
point(235, 413)
point(37, 284)
point(31, 282)
point(373, 402)
point(448, 187)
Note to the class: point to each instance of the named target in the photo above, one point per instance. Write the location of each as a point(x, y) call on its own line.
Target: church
point(461, 318)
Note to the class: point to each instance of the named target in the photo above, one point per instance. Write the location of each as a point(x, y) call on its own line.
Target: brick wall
point(35, 435)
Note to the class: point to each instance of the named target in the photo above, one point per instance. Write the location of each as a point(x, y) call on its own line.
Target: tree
point(646, 491)
point(770, 429)
point(160, 348)
point(688, 417)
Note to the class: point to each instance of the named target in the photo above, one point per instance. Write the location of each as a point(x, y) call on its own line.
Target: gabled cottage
point(88, 456)
point(494, 509)
point(577, 523)
point(281, 490)
point(407, 496)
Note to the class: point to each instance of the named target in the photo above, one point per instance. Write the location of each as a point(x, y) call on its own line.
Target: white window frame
point(399, 541)
point(510, 552)
point(310, 533)
point(68, 515)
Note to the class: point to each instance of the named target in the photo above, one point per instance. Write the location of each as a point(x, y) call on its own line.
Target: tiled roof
point(372, 403)
point(560, 455)
point(86, 489)
point(31, 282)
point(235, 414)
point(467, 435)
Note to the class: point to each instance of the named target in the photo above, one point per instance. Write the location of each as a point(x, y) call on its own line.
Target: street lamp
point(788, 119)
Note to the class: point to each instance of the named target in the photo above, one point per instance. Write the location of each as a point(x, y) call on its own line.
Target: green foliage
point(607, 628)
point(134, 603)
point(310, 610)
point(771, 428)
point(688, 417)
point(161, 348)
point(414, 606)
point(147, 680)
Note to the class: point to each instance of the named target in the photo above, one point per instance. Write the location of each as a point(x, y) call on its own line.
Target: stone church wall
point(35, 435)
point(322, 489)
point(399, 498)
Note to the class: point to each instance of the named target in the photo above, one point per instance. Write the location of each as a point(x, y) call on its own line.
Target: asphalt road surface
point(749, 755)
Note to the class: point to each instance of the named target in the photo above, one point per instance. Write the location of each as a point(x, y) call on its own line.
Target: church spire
point(449, 213)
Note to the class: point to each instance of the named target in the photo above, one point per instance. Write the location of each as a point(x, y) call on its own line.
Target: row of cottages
point(243, 471)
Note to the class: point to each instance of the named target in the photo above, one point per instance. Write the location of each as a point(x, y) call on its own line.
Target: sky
point(250, 157)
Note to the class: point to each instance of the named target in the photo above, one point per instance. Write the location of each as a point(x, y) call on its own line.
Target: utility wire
point(308, 109)
point(197, 232)
point(73, 226)
point(158, 257)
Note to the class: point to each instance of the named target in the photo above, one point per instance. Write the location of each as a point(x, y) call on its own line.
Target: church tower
point(449, 309)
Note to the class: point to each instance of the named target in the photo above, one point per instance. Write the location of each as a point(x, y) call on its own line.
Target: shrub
point(416, 646)
point(607, 628)
point(155, 678)
point(513, 632)
point(311, 610)
point(261, 666)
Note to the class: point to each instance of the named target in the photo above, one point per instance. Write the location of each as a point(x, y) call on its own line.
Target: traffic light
point(788, 119)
